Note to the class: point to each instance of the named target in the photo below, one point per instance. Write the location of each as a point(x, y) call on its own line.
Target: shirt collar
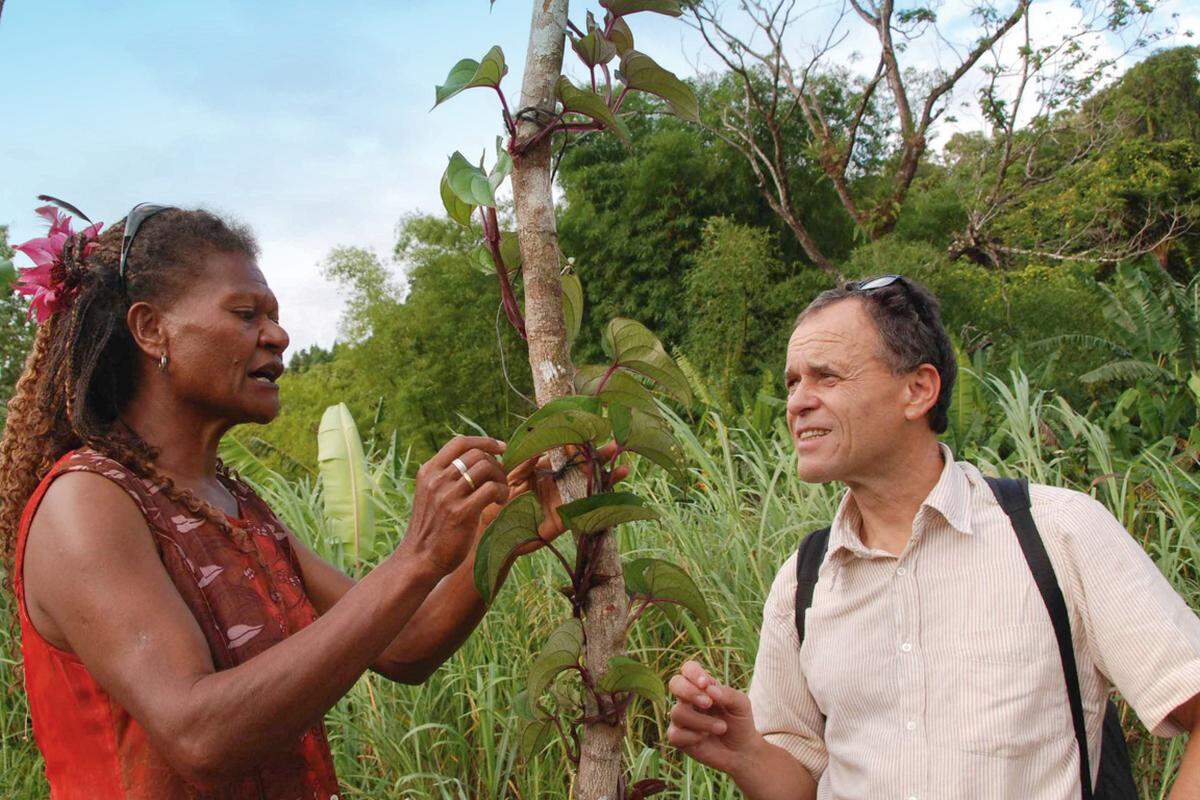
point(950, 497)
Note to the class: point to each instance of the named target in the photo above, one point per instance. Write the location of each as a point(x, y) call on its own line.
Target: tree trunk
point(605, 607)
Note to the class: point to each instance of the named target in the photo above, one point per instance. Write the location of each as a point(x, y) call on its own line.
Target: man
point(929, 667)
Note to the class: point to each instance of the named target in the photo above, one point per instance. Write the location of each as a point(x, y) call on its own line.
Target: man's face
point(845, 408)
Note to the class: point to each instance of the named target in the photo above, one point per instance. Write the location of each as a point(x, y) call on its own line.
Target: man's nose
point(801, 400)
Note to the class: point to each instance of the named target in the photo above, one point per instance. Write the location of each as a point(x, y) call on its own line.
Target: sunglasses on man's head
point(878, 283)
point(137, 215)
point(883, 281)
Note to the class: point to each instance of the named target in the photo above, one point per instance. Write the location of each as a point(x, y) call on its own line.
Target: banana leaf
point(345, 481)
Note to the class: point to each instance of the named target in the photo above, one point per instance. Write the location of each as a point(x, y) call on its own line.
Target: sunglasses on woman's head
point(133, 221)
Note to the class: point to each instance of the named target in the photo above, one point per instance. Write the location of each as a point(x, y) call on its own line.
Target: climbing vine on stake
point(579, 409)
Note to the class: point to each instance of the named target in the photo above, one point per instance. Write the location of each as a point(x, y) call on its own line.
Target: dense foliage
point(1070, 287)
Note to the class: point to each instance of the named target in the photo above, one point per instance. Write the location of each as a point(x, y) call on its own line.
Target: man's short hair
point(908, 318)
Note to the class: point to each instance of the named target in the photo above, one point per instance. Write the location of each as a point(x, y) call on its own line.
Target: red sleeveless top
point(245, 592)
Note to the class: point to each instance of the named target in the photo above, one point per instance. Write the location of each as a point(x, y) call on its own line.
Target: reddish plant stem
point(604, 378)
point(537, 138)
point(620, 99)
point(491, 234)
point(509, 125)
point(636, 615)
point(562, 559)
point(607, 83)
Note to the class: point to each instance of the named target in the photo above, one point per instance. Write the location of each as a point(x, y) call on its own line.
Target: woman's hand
point(446, 509)
point(536, 475)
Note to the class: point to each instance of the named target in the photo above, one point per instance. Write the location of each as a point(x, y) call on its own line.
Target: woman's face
point(225, 343)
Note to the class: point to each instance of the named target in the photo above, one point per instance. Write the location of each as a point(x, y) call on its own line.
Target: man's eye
point(245, 313)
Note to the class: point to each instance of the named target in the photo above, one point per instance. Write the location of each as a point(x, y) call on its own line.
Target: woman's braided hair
point(83, 367)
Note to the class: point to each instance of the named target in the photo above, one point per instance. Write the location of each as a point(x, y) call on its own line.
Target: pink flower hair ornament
point(47, 283)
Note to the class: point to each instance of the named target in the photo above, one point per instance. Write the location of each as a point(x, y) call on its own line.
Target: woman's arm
point(451, 611)
point(430, 635)
point(447, 616)
point(94, 576)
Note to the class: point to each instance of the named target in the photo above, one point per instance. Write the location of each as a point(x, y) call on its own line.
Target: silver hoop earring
point(162, 362)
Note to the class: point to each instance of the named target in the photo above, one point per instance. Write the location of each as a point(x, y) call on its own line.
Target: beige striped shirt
point(935, 675)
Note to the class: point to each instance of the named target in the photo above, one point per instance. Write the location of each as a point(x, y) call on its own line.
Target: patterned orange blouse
point(245, 592)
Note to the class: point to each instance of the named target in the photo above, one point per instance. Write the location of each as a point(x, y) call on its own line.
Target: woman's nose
point(275, 338)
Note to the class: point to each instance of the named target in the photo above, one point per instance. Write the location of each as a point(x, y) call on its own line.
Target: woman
point(178, 640)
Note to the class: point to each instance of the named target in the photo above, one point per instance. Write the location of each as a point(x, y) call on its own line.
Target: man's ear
point(148, 328)
point(921, 391)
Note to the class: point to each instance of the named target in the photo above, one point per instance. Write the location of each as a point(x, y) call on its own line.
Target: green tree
point(16, 331)
point(633, 216)
point(741, 300)
point(422, 353)
point(1113, 176)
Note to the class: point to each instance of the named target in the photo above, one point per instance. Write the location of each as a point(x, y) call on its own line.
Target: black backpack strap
point(1013, 496)
point(808, 563)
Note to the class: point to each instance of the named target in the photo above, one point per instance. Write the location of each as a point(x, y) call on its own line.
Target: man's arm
point(1187, 781)
point(714, 724)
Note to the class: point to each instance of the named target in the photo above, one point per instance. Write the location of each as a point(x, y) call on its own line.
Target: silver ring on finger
point(462, 468)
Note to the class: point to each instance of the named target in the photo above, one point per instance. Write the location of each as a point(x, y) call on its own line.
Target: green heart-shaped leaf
point(481, 259)
point(458, 210)
point(510, 250)
point(590, 105)
point(535, 736)
point(649, 435)
point(620, 8)
point(568, 420)
point(642, 73)
point(523, 707)
point(516, 524)
point(504, 164)
point(621, 387)
point(468, 182)
point(633, 347)
point(626, 675)
point(621, 37)
point(572, 290)
point(603, 511)
point(561, 652)
point(469, 73)
point(593, 49)
point(661, 580)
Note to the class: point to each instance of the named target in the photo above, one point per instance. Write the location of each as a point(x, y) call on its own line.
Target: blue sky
point(309, 121)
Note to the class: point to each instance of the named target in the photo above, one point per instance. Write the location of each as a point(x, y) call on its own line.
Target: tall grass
point(742, 513)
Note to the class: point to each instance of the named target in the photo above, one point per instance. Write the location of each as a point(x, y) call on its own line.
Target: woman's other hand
point(537, 475)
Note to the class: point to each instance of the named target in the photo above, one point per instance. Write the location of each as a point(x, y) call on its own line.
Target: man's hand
point(710, 722)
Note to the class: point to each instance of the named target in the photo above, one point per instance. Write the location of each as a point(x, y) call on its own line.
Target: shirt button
point(901, 570)
point(910, 725)
point(906, 647)
point(275, 596)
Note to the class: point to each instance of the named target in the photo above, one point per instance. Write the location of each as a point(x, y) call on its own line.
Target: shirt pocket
point(999, 692)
